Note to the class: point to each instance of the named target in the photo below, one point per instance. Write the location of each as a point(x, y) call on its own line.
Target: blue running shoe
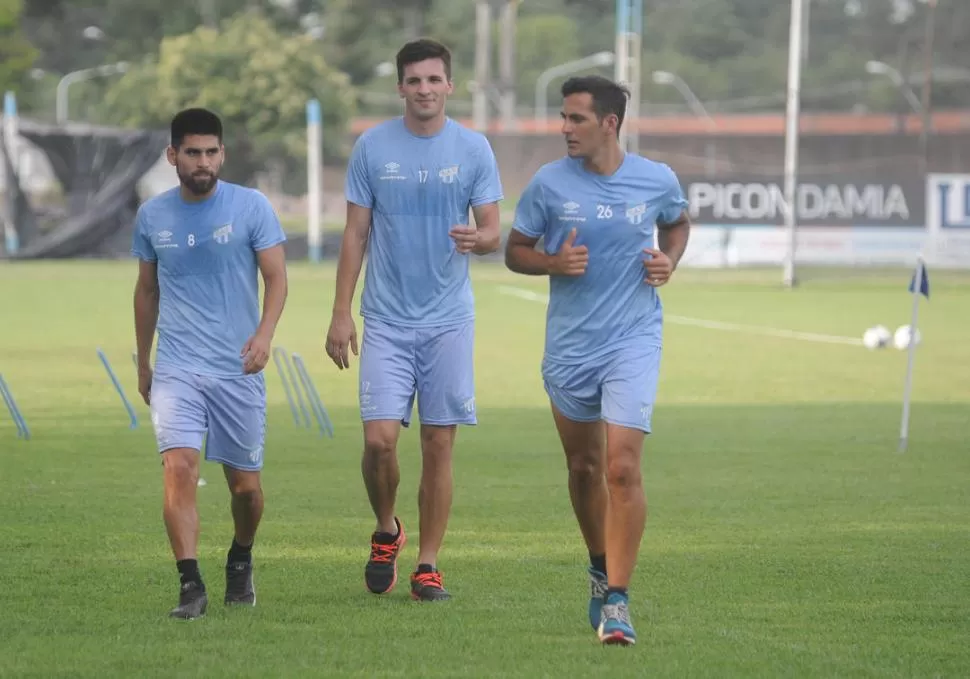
point(597, 596)
point(615, 626)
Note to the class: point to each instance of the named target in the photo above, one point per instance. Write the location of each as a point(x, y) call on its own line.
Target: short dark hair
point(608, 96)
point(195, 121)
point(419, 50)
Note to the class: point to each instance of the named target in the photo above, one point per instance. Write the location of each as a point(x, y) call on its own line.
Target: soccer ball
point(877, 337)
point(903, 336)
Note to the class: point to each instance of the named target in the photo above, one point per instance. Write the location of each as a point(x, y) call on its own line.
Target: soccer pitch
point(786, 536)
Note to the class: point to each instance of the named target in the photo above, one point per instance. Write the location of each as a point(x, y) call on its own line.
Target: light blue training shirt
point(207, 274)
point(610, 306)
point(418, 189)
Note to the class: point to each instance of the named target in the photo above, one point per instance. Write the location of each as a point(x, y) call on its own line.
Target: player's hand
point(465, 237)
point(145, 384)
point(570, 260)
point(659, 268)
point(255, 353)
point(342, 333)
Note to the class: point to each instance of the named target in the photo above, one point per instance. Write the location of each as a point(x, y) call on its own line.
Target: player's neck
point(425, 128)
point(606, 161)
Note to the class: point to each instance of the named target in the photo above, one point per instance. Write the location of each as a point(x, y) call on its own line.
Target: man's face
point(424, 88)
point(197, 162)
point(585, 134)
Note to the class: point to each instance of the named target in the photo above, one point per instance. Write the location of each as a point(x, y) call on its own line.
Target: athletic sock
point(189, 571)
point(616, 590)
point(239, 553)
point(598, 562)
point(382, 538)
point(425, 568)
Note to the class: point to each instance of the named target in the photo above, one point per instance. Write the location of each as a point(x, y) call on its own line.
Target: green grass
point(787, 537)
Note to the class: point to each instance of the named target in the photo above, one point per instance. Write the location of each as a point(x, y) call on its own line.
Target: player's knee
point(437, 442)
point(586, 465)
point(378, 448)
point(243, 484)
point(623, 471)
point(181, 467)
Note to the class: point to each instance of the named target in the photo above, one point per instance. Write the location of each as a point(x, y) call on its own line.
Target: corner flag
point(919, 285)
point(923, 280)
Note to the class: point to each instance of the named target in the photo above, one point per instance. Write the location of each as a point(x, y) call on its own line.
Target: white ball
point(876, 337)
point(904, 335)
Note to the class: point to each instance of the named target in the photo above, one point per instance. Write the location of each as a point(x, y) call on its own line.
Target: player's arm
point(673, 224)
point(272, 267)
point(672, 237)
point(522, 257)
point(146, 311)
point(487, 223)
point(351, 260)
point(531, 224)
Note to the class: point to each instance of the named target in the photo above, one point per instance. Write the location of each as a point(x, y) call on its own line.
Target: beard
point(198, 183)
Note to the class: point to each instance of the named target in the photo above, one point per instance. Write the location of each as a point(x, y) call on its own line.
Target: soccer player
point(410, 184)
point(199, 247)
point(596, 210)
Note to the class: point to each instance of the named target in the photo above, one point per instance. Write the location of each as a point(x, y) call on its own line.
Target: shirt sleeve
point(357, 183)
point(530, 212)
point(266, 230)
point(488, 183)
point(141, 243)
point(675, 202)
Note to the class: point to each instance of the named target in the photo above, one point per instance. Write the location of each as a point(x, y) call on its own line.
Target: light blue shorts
point(619, 388)
point(229, 414)
point(434, 364)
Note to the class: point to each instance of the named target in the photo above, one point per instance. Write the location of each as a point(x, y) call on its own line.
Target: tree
point(257, 80)
point(17, 55)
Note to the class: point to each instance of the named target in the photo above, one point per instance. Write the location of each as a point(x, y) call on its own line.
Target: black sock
point(189, 571)
point(425, 568)
point(616, 590)
point(382, 538)
point(598, 562)
point(239, 553)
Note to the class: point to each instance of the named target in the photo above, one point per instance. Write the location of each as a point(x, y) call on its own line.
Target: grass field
point(787, 537)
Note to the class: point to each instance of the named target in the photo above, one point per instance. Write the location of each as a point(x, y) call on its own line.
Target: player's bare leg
point(625, 521)
point(434, 506)
point(584, 444)
point(379, 467)
point(435, 491)
point(247, 510)
point(181, 476)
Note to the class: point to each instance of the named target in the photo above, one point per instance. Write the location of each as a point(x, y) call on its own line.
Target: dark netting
point(98, 169)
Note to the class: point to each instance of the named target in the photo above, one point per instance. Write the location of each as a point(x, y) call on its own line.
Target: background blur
point(885, 103)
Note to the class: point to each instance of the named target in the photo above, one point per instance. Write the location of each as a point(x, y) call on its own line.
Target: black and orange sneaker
point(380, 573)
point(426, 585)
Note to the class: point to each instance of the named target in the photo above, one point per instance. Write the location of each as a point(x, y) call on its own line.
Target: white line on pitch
point(712, 325)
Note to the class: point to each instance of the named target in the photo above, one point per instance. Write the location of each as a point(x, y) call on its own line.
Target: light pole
point(78, 76)
point(880, 68)
point(547, 76)
point(924, 132)
point(668, 78)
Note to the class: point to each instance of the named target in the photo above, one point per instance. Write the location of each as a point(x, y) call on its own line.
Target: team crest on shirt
point(448, 175)
point(636, 213)
point(221, 235)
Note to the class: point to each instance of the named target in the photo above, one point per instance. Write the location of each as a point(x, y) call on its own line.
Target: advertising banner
point(824, 201)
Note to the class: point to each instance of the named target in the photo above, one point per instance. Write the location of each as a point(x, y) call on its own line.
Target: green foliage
point(259, 82)
point(542, 41)
point(17, 55)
